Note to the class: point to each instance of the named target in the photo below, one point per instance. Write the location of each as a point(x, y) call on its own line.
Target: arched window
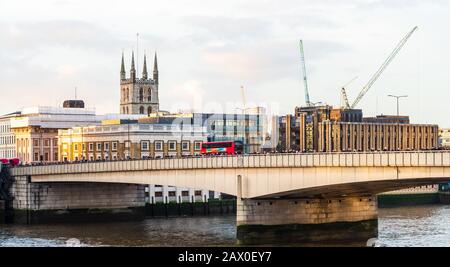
point(128, 95)
point(141, 110)
point(141, 94)
point(149, 95)
point(149, 110)
point(123, 94)
point(127, 110)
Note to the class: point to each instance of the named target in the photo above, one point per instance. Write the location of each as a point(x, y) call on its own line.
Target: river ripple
point(406, 226)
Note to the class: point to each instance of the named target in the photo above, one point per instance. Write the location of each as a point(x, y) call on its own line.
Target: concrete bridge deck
point(269, 175)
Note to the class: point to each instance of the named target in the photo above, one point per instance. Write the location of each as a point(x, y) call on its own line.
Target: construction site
point(317, 127)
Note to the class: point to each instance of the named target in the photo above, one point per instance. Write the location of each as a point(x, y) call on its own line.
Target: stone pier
point(307, 221)
point(76, 201)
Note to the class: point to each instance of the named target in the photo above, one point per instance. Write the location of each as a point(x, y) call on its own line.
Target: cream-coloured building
point(128, 139)
point(7, 138)
point(36, 130)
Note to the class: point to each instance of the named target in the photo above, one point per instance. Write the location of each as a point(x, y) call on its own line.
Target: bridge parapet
point(376, 159)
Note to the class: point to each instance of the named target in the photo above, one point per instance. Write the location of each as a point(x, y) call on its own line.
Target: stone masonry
point(306, 211)
point(67, 196)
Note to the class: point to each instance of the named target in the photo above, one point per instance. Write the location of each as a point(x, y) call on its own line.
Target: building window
point(198, 192)
point(158, 194)
point(55, 142)
point(141, 95)
point(141, 110)
point(36, 156)
point(158, 145)
point(197, 145)
point(47, 142)
point(172, 145)
point(172, 193)
point(149, 110)
point(75, 147)
point(149, 98)
point(185, 193)
point(99, 146)
point(106, 146)
point(83, 146)
point(91, 146)
point(144, 145)
point(114, 146)
point(185, 145)
point(35, 142)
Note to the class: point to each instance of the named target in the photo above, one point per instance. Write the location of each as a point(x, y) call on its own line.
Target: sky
point(207, 50)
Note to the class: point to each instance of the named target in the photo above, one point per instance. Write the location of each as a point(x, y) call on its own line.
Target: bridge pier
point(76, 201)
point(349, 220)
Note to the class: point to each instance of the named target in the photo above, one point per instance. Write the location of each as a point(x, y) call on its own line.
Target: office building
point(324, 129)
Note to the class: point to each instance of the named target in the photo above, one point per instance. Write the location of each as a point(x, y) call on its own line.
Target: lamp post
point(398, 122)
point(398, 97)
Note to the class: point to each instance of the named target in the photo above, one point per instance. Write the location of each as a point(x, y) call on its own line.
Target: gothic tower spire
point(133, 70)
point(122, 69)
point(144, 70)
point(155, 70)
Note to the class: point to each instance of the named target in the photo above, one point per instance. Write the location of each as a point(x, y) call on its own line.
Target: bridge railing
point(288, 160)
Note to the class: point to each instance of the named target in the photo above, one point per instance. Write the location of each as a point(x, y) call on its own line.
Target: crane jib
point(305, 82)
point(382, 67)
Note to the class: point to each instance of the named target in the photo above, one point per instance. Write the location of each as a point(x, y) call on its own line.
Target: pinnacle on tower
point(144, 70)
point(122, 69)
point(133, 70)
point(155, 70)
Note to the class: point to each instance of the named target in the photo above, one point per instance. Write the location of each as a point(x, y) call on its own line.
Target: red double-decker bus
point(224, 147)
point(11, 162)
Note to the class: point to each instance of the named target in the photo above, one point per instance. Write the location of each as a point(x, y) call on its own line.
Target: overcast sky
point(208, 49)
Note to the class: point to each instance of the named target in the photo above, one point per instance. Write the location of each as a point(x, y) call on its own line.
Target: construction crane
point(381, 69)
point(344, 97)
point(305, 82)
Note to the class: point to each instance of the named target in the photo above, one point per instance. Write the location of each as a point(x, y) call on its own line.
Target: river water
point(426, 225)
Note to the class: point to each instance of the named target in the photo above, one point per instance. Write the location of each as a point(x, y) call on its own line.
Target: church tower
point(138, 95)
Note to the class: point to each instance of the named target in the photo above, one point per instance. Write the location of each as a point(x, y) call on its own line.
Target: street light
point(397, 97)
point(398, 129)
